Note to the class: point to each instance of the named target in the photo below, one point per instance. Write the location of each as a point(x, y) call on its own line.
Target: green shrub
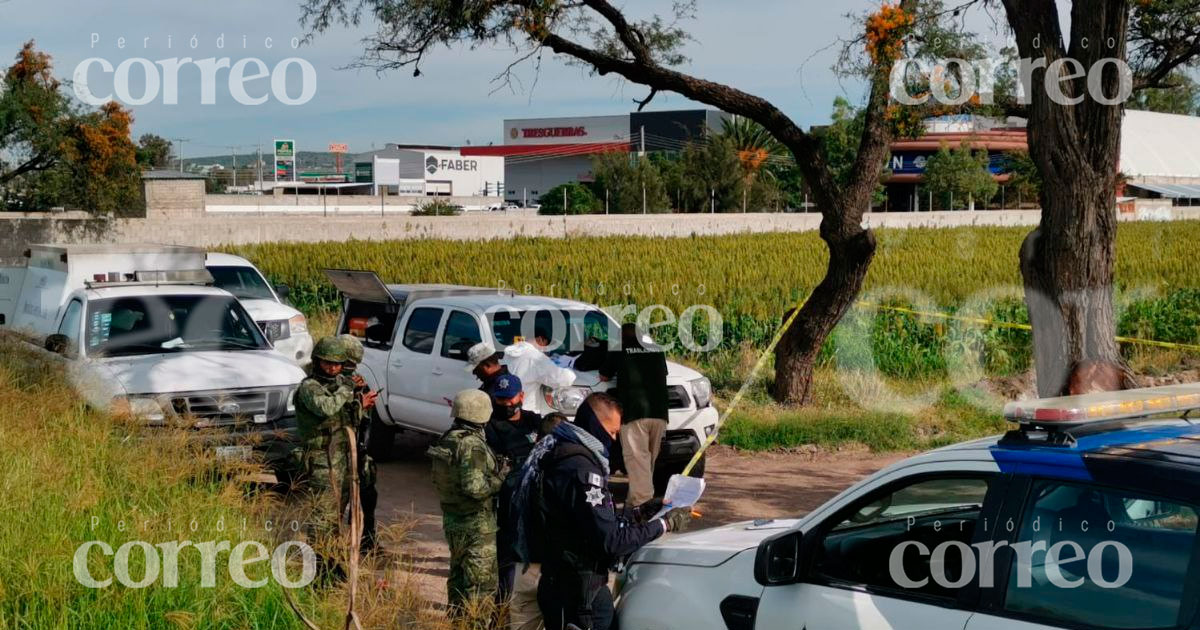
point(580, 200)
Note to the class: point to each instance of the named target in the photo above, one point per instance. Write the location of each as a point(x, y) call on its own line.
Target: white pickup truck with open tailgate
point(416, 337)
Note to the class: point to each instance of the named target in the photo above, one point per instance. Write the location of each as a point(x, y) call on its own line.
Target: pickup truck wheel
point(380, 439)
point(662, 474)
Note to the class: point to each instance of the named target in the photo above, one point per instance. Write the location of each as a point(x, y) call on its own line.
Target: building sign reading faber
point(433, 165)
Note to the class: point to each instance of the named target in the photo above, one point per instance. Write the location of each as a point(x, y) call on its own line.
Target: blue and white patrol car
point(1083, 516)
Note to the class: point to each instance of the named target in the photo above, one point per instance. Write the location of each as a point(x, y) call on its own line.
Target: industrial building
point(1159, 158)
point(431, 170)
point(541, 153)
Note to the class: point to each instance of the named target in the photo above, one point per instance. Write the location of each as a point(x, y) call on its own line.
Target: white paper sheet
point(681, 492)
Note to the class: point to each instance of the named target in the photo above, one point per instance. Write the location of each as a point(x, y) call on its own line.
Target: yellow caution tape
point(1015, 326)
point(762, 359)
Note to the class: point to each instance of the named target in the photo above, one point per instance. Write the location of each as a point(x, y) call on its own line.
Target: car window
point(154, 324)
point(421, 329)
point(70, 322)
point(462, 332)
point(567, 331)
point(1120, 560)
point(934, 512)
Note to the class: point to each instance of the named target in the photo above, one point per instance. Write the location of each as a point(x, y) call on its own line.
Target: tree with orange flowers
point(54, 153)
point(609, 39)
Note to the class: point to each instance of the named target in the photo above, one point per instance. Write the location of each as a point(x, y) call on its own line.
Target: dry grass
point(70, 474)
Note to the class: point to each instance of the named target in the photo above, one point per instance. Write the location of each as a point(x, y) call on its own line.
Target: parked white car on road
point(1084, 516)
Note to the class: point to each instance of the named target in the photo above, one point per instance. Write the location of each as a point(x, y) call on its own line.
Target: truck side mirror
point(58, 344)
point(778, 559)
point(282, 290)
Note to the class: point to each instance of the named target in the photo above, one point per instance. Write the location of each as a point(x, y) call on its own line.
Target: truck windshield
point(152, 324)
point(566, 330)
point(243, 282)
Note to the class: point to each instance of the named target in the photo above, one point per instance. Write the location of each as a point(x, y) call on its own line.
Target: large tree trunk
point(1067, 262)
point(1068, 290)
point(796, 354)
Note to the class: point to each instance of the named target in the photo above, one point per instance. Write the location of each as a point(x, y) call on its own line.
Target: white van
point(161, 343)
point(284, 326)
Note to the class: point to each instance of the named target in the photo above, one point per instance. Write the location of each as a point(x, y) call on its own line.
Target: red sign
point(337, 147)
point(554, 132)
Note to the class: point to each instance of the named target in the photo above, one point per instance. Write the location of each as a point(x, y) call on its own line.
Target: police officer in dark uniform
point(584, 536)
point(483, 361)
point(511, 433)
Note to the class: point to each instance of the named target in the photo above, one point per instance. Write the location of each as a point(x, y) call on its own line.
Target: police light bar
point(1068, 411)
point(152, 277)
point(183, 276)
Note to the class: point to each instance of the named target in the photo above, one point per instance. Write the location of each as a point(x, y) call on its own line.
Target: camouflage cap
point(353, 348)
point(472, 405)
point(329, 349)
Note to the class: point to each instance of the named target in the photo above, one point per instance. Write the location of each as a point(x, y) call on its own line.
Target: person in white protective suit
point(530, 363)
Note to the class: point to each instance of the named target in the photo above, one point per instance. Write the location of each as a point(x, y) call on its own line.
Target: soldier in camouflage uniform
point(367, 492)
point(467, 477)
point(326, 401)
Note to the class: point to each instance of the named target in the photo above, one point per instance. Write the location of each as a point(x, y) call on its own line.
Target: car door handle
point(436, 371)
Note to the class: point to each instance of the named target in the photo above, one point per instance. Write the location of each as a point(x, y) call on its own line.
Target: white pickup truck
point(416, 337)
point(142, 330)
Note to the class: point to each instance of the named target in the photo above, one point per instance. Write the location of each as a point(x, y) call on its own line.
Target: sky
point(781, 50)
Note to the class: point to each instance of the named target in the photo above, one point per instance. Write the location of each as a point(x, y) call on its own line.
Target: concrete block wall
point(172, 198)
point(211, 229)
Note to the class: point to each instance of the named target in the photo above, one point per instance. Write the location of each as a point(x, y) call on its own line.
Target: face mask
point(505, 411)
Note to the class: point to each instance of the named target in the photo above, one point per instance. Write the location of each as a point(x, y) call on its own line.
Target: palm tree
point(755, 145)
point(756, 148)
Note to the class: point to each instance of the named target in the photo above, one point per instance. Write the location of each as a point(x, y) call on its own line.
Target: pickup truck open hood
point(710, 547)
point(201, 371)
point(268, 310)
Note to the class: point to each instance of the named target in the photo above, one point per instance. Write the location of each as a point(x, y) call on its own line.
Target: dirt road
point(740, 487)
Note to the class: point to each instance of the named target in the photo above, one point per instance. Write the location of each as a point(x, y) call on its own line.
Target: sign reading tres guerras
point(584, 129)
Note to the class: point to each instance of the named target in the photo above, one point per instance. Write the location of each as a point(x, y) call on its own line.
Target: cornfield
point(751, 279)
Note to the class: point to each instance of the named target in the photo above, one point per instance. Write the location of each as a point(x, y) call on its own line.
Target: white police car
point(1084, 516)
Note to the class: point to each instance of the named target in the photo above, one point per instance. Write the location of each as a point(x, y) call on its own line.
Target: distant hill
point(306, 160)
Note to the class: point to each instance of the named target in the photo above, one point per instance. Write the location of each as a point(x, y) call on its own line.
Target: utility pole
point(642, 137)
point(233, 151)
point(260, 170)
point(605, 200)
point(712, 196)
point(643, 197)
point(179, 142)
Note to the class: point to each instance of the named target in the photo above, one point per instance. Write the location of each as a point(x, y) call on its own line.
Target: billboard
point(576, 130)
point(285, 160)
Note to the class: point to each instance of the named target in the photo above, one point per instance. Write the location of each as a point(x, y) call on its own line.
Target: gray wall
point(538, 176)
point(214, 229)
